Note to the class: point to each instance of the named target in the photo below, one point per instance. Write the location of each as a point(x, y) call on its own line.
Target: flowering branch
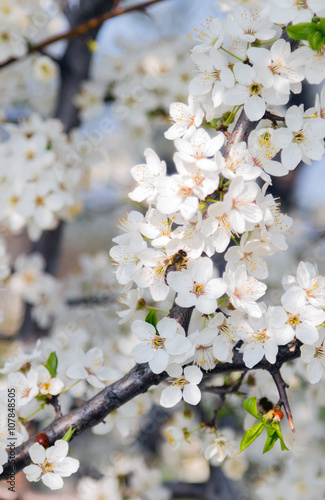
point(81, 29)
point(136, 382)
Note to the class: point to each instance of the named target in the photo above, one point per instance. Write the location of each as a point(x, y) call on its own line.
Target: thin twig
point(282, 386)
point(81, 29)
point(54, 401)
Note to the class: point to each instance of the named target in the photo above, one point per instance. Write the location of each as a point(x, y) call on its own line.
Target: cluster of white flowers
point(139, 81)
point(212, 201)
point(39, 187)
point(135, 89)
point(32, 81)
point(22, 21)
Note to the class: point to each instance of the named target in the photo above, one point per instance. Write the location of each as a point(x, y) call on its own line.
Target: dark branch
point(282, 386)
point(136, 382)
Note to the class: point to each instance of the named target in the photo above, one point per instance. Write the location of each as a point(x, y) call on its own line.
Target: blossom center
point(47, 467)
point(216, 74)
point(171, 439)
point(184, 192)
point(198, 289)
point(25, 393)
point(224, 221)
point(301, 4)
point(160, 270)
point(255, 89)
point(180, 382)
point(39, 201)
point(294, 319)
point(158, 342)
point(298, 137)
point(260, 336)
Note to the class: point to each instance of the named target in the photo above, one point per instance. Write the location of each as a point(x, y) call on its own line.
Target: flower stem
point(233, 55)
point(271, 41)
point(157, 309)
point(24, 420)
point(221, 301)
point(69, 386)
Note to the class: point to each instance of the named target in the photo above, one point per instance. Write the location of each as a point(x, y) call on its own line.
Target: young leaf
point(250, 406)
point(278, 431)
point(316, 40)
point(301, 31)
point(152, 318)
point(270, 442)
point(67, 436)
point(251, 434)
point(322, 25)
point(52, 364)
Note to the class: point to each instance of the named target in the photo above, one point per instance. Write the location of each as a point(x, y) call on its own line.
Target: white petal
point(33, 472)
point(142, 330)
point(57, 452)
point(178, 345)
point(192, 394)
point(293, 299)
point(254, 108)
point(170, 396)
point(159, 361)
point(294, 119)
point(37, 453)
point(76, 372)
point(193, 374)
point(308, 334)
point(52, 481)
point(67, 467)
point(315, 371)
point(253, 354)
point(167, 328)
point(291, 156)
point(143, 353)
point(221, 348)
point(215, 288)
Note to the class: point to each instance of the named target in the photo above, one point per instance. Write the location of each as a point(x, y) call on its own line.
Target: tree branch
point(81, 29)
point(136, 382)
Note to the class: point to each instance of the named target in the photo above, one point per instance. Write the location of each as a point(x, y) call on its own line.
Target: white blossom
point(184, 385)
point(196, 287)
point(157, 346)
point(50, 465)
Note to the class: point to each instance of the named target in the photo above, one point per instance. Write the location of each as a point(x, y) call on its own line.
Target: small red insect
point(42, 439)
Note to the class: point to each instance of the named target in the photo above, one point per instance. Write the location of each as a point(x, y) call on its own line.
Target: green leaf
point(301, 31)
point(52, 364)
point(251, 434)
point(269, 429)
point(278, 431)
point(250, 406)
point(152, 318)
point(316, 40)
point(68, 435)
point(270, 442)
point(322, 25)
